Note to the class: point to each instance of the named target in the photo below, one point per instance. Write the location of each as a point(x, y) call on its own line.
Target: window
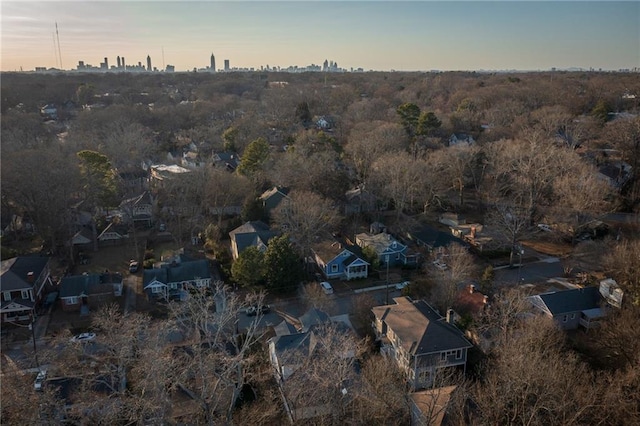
point(156, 289)
point(459, 354)
point(334, 268)
point(72, 300)
point(443, 356)
point(573, 316)
point(6, 296)
point(564, 318)
point(25, 294)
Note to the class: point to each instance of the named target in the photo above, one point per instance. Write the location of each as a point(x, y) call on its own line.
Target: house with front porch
point(424, 344)
point(174, 279)
point(339, 259)
point(22, 283)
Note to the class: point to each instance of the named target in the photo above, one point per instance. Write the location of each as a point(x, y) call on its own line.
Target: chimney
point(473, 232)
point(31, 277)
point(472, 289)
point(486, 300)
point(450, 316)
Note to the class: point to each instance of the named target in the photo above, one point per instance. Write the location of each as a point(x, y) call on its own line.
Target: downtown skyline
point(374, 35)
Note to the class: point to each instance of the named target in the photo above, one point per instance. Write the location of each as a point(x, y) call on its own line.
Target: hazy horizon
point(373, 35)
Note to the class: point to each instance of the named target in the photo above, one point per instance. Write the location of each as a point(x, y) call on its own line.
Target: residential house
point(571, 309)
point(22, 283)
point(339, 259)
point(421, 341)
point(82, 240)
point(291, 349)
point(82, 292)
point(113, 234)
point(174, 279)
point(226, 160)
point(432, 238)
point(429, 406)
point(470, 301)
point(273, 197)
point(138, 210)
point(255, 233)
point(616, 173)
point(461, 138)
point(358, 200)
point(390, 251)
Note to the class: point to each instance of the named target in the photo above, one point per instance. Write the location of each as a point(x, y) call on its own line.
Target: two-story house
point(255, 233)
point(172, 280)
point(339, 259)
point(138, 210)
point(390, 251)
point(421, 341)
point(22, 282)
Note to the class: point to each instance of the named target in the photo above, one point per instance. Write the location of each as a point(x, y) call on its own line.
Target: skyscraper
point(212, 68)
point(106, 63)
point(226, 65)
point(149, 63)
point(118, 62)
point(124, 66)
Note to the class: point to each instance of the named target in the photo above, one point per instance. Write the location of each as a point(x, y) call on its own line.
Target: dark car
point(253, 310)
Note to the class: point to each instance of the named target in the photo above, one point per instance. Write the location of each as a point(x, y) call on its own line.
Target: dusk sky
point(378, 35)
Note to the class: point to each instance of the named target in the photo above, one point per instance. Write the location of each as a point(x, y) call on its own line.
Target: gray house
point(571, 309)
point(419, 339)
point(255, 233)
point(172, 280)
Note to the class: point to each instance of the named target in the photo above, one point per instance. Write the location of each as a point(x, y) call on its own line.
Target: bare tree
point(622, 263)
point(461, 267)
point(512, 222)
point(305, 215)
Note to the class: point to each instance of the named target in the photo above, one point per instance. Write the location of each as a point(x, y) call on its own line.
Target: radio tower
point(55, 49)
point(59, 51)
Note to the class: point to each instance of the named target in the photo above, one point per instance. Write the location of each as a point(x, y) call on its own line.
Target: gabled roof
point(433, 403)
point(312, 318)
point(565, 301)
point(76, 285)
point(329, 248)
point(14, 272)
point(419, 327)
point(83, 236)
point(112, 227)
point(175, 273)
point(251, 234)
point(434, 238)
point(379, 242)
point(272, 197)
point(144, 198)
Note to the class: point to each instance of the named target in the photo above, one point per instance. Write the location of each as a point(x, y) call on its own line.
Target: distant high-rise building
point(124, 66)
point(325, 65)
point(226, 65)
point(106, 63)
point(118, 61)
point(148, 63)
point(212, 67)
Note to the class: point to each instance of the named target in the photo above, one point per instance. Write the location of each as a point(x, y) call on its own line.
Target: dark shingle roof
point(575, 300)
point(14, 271)
point(185, 271)
point(421, 329)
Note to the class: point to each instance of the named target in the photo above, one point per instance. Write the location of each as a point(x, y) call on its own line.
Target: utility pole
point(387, 285)
point(32, 327)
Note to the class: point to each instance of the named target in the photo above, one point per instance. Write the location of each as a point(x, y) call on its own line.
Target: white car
point(40, 378)
point(326, 287)
point(544, 227)
point(83, 337)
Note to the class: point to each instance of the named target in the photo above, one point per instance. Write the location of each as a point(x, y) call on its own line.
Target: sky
point(373, 35)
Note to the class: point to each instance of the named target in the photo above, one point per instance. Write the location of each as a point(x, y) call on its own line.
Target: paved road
point(531, 272)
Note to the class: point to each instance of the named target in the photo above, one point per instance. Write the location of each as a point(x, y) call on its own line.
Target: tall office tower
point(325, 65)
point(212, 68)
point(124, 66)
point(106, 63)
point(226, 65)
point(118, 62)
point(148, 63)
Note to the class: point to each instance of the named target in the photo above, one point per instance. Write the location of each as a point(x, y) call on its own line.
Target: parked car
point(83, 337)
point(544, 227)
point(134, 266)
point(326, 287)
point(402, 285)
point(40, 378)
point(162, 227)
point(253, 310)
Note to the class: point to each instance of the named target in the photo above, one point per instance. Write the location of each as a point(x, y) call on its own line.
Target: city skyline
point(374, 35)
